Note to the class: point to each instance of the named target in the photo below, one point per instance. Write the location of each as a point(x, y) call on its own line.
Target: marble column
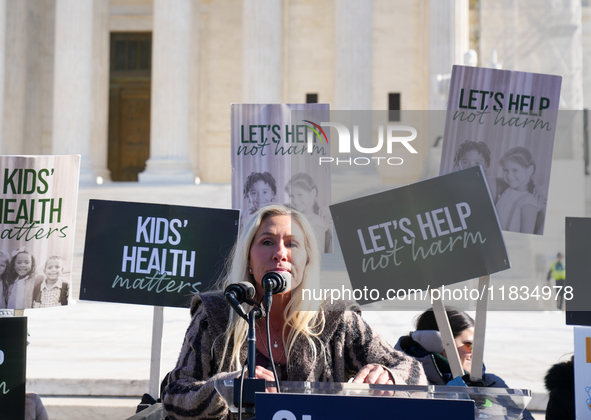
point(72, 95)
point(262, 52)
point(448, 43)
point(537, 36)
point(353, 55)
point(100, 89)
point(2, 68)
point(545, 36)
point(170, 118)
point(14, 77)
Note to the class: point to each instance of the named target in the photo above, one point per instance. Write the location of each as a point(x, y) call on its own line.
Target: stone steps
point(89, 408)
point(73, 399)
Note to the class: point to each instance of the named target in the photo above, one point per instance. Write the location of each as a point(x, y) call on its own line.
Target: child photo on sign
point(53, 290)
point(260, 189)
point(496, 111)
point(4, 284)
point(21, 280)
point(303, 195)
point(472, 153)
point(517, 206)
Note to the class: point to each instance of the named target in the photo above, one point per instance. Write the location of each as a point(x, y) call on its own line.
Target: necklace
point(275, 346)
point(278, 364)
point(275, 342)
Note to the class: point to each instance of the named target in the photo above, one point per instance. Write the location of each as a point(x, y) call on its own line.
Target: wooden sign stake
point(480, 329)
point(448, 338)
point(157, 326)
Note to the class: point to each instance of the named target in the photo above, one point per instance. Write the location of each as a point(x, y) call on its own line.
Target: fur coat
point(349, 342)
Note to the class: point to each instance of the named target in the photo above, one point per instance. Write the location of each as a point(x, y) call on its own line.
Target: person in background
point(309, 340)
point(560, 383)
point(557, 272)
point(34, 408)
point(425, 344)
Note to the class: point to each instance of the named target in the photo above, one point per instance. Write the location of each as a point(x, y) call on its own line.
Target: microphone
point(242, 291)
point(274, 282)
point(238, 293)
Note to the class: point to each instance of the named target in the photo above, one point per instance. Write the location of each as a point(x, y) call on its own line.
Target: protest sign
point(154, 254)
point(428, 234)
point(37, 218)
point(577, 287)
point(582, 367)
point(272, 162)
point(504, 121)
point(13, 356)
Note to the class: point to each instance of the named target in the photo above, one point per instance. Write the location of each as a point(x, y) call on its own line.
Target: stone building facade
point(142, 88)
point(130, 84)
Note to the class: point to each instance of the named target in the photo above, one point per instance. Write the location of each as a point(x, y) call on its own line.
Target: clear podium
point(323, 400)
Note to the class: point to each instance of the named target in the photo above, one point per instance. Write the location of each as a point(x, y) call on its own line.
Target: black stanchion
point(245, 389)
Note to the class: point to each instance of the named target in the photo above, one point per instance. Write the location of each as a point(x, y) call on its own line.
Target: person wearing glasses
point(425, 344)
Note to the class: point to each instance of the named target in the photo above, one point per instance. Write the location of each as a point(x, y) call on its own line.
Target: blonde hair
point(303, 317)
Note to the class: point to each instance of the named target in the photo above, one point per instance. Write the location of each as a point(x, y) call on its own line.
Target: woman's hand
point(374, 374)
point(266, 374)
point(262, 373)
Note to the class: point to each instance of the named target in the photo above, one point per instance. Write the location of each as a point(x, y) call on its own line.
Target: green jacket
point(556, 271)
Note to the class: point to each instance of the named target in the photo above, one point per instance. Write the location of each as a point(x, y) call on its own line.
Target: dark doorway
point(129, 104)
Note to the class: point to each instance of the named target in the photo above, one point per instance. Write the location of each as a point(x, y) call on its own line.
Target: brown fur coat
point(349, 341)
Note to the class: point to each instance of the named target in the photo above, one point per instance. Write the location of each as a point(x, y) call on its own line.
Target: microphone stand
point(253, 315)
point(245, 389)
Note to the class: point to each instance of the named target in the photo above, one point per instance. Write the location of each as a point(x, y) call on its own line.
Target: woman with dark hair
point(19, 281)
point(425, 344)
point(560, 383)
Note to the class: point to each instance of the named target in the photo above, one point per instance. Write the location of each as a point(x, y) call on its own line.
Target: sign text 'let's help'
point(422, 236)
